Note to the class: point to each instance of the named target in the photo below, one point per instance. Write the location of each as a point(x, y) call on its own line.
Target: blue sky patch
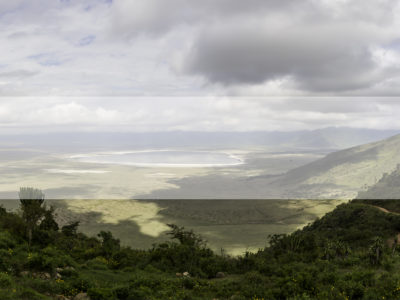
point(87, 40)
point(46, 59)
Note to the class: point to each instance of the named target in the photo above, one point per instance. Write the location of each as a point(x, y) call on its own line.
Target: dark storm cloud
point(329, 58)
point(318, 46)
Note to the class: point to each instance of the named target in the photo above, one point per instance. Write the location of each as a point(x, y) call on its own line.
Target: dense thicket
point(350, 253)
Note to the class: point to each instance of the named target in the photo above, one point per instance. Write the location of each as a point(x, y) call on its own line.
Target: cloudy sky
point(152, 65)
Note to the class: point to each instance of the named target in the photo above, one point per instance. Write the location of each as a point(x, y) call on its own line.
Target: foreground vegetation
point(350, 253)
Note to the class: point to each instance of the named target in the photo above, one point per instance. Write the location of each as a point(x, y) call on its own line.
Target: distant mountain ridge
point(327, 138)
point(342, 137)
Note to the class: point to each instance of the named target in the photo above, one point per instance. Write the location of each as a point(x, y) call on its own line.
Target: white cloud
point(28, 113)
point(195, 114)
point(144, 62)
point(255, 47)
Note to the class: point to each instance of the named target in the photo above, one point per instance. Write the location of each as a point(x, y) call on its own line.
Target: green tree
point(376, 250)
point(188, 238)
point(48, 223)
point(70, 229)
point(109, 244)
point(31, 204)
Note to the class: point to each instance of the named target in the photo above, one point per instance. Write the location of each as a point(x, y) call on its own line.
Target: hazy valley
point(302, 165)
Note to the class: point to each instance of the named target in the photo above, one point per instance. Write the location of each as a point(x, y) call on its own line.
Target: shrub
point(39, 261)
point(6, 281)
point(98, 263)
point(29, 294)
point(6, 240)
point(80, 284)
point(57, 257)
point(101, 294)
point(44, 286)
point(122, 292)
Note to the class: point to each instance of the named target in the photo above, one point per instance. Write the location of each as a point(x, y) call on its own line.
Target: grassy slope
point(235, 225)
point(343, 173)
point(388, 187)
point(294, 267)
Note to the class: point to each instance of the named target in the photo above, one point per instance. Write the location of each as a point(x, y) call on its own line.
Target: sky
point(210, 65)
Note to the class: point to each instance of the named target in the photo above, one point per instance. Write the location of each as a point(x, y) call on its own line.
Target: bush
point(44, 286)
point(80, 284)
point(101, 294)
point(6, 240)
point(6, 295)
point(6, 281)
point(326, 260)
point(41, 262)
point(29, 294)
point(98, 263)
point(57, 258)
point(122, 292)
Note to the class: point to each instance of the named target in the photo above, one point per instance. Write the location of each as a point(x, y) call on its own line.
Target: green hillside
point(388, 187)
point(350, 253)
point(342, 174)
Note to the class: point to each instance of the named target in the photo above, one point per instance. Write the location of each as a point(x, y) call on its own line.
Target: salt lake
point(162, 158)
